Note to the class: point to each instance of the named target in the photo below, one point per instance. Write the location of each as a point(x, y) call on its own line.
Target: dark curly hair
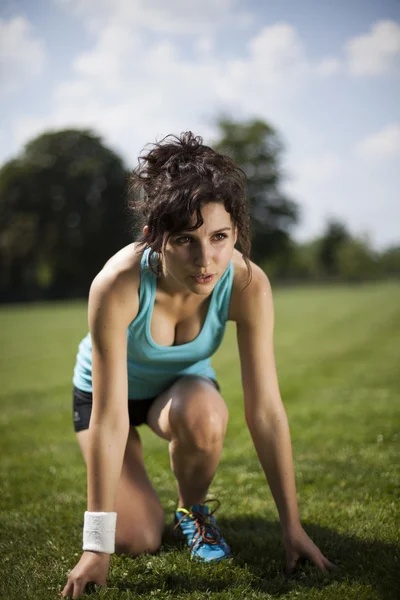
point(172, 182)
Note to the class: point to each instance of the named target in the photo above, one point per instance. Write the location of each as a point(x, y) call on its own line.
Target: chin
point(203, 290)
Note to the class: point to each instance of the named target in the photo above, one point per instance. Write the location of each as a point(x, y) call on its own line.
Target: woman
point(157, 312)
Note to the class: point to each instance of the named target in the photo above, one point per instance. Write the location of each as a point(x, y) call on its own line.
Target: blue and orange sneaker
point(199, 528)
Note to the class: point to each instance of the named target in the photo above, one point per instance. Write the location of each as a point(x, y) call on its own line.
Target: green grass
point(338, 357)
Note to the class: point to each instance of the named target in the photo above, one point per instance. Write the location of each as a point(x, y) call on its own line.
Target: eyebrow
point(213, 233)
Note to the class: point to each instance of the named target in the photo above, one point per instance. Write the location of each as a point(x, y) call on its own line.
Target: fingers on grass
point(324, 564)
point(78, 591)
point(320, 561)
point(291, 565)
point(67, 591)
point(329, 565)
point(74, 589)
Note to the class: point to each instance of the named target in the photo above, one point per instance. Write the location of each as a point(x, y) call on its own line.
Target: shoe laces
point(206, 528)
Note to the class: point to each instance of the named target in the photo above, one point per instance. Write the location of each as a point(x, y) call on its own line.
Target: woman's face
point(196, 260)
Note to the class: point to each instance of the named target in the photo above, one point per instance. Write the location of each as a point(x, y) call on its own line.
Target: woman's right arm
point(110, 312)
point(113, 304)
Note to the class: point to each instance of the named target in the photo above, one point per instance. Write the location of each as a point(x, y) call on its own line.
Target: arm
point(112, 307)
point(110, 312)
point(264, 410)
point(266, 415)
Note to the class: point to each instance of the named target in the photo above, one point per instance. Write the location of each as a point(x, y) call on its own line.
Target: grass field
point(338, 357)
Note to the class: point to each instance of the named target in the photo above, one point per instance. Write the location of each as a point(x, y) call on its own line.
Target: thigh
point(191, 397)
point(140, 517)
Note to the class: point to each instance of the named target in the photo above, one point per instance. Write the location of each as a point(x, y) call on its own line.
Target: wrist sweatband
point(99, 531)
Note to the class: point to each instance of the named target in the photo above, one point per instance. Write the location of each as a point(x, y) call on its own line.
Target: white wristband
point(99, 531)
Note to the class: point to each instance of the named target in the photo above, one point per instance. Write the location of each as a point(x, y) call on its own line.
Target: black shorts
point(137, 409)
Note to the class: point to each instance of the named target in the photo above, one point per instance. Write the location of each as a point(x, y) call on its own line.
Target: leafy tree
point(389, 262)
point(355, 260)
point(304, 263)
point(255, 146)
point(61, 212)
point(335, 235)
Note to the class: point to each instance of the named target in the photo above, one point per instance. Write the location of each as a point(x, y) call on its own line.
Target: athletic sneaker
point(199, 528)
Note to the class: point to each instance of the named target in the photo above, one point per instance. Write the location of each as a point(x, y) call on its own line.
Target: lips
point(203, 278)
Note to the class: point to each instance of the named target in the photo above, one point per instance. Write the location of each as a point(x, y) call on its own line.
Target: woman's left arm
point(266, 416)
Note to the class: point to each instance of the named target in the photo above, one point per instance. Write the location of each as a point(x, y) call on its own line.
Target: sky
point(325, 74)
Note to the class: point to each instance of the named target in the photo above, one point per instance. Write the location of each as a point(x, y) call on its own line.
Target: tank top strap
point(147, 278)
point(223, 292)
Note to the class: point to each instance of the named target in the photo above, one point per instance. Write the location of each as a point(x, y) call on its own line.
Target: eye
point(220, 236)
point(183, 240)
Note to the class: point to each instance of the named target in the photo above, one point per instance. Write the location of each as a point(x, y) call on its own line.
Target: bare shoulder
point(250, 298)
point(115, 289)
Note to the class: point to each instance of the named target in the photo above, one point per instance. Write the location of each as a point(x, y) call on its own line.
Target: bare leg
point(193, 417)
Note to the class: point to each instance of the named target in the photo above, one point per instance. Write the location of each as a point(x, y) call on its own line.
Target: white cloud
point(204, 46)
point(278, 47)
point(382, 145)
point(22, 55)
point(376, 52)
point(328, 66)
point(333, 186)
point(243, 19)
point(267, 80)
point(318, 169)
point(133, 88)
point(312, 178)
point(176, 16)
point(124, 86)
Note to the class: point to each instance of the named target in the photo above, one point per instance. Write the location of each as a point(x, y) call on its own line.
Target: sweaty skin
point(179, 311)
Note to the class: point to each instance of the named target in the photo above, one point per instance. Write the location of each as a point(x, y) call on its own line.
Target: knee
point(143, 534)
point(200, 425)
point(146, 543)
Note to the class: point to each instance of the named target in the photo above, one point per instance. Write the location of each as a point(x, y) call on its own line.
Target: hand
point(93, 566)
point(299, 545)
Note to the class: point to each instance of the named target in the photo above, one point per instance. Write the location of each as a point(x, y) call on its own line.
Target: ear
point(236, 235)
point(145, 230)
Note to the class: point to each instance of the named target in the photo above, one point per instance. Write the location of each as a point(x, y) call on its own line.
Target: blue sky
point(325, 74)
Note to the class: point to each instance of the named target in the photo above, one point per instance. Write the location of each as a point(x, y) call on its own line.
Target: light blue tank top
point(153, 368)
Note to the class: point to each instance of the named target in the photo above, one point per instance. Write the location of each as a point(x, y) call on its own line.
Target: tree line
point(63, 213)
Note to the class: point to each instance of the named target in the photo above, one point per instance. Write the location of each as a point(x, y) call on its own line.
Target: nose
point(202, 257)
